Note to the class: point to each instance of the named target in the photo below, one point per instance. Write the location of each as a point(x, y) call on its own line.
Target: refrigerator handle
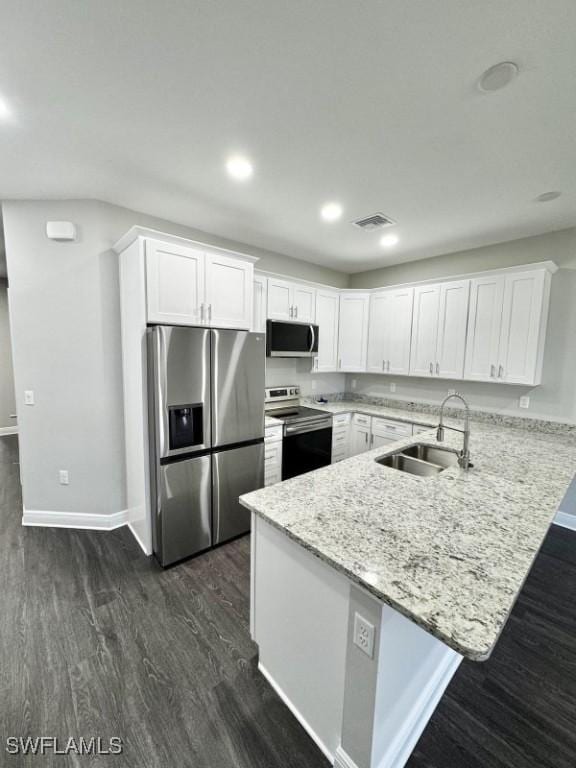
point(313, 338)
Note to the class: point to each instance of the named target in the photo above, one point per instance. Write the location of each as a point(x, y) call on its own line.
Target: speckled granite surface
point(450, 552)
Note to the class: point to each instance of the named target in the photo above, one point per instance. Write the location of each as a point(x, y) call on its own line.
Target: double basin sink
point(421, 459)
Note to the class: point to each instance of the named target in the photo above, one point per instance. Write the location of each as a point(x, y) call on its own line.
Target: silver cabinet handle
point(383, 365)
point(500, 371)
point(492, 371)
point(290, 311)
point(366, 436)
point(371, 439)
point(202, 312)
point(296, 311)
point(209, 313)
point(388, 366)
point(437, 369)
point(339, 362)
point(431, 369)
point(13, 416)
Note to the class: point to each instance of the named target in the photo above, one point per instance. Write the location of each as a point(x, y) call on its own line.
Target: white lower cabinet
point(386, 431)
point(359, 433)
point(340, 437)
point(273, 455)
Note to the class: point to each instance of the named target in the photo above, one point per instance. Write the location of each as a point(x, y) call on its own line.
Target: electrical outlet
point(29, 397)
point(524, 402)
point(364, 635)
point(353, 383)
point(392, 387)
point(64, 477)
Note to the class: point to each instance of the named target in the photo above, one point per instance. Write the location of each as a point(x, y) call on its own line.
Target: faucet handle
point(440, 434)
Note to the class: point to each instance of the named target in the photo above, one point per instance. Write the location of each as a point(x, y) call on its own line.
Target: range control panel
point(273, 394)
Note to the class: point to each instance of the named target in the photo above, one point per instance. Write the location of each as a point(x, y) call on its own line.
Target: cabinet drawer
point(272, 453)
point(271, 478)
point(340, 419)
point(391, 428)
point(272, 434)
point(339, 455)
point(362, 420)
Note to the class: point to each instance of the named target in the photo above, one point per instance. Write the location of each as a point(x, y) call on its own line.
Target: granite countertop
point(450, 552)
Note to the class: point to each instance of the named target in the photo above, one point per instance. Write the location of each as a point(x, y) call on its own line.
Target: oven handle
point(310, 427)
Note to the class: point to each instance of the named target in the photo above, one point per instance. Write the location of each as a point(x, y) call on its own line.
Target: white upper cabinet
point(291, 301)
point(451, 344)
point(327, 313)
point(229, 286)
point(390, 331)
point(424, 330)
point(377, 332)
point(304, 303)
point(186, 285)
point(439, 329)
point(175, 283)
point(280, 300)
point(507, 327)
point(259, 304)
point(353, 331)
point(484, 324)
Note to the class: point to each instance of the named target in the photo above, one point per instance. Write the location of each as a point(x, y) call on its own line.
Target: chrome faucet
point(464, 455)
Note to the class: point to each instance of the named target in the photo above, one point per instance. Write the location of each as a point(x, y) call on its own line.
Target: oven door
point(306, 447)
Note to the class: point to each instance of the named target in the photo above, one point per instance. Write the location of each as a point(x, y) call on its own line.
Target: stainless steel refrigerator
point(206, 420)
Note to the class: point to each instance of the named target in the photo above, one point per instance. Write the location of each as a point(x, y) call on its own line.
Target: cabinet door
point(398, 321)
point(259, 304)
point(380, 441)
point(229, 285)
point(520, 334)
point(280, 305)
point(327, 306)
point(452, 319)
point(424, 330)
point(304, 303)
point(174, 283)
point(359, 439)
point(379, 317)
point(353, 331)
point(484, 326)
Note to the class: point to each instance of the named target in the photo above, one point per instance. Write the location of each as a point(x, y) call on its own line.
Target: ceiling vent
point(376, 221)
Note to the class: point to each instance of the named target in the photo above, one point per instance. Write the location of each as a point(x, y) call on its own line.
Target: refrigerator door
point(237, 386)
point(234, 472)
point(179, 385)
point(182, 524)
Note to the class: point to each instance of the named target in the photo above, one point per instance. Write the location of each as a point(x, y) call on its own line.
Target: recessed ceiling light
point(240, 168)
point(331, 211)
point(389, 240)
point(498, 76)
point(545, 197)
point(5, 111)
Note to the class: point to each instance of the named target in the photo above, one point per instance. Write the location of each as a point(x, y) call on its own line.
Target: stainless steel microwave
point(291, 339)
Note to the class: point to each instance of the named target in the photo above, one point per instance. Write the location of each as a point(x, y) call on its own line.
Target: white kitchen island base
point(362, 711)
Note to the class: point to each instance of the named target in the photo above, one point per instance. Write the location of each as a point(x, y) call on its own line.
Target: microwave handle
point(313, 338)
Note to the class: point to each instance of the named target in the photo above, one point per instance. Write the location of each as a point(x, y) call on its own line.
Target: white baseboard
point(144, 549)
point(91, 521)
point(303, 722)
point(565, 520)
point(343, 760)
point(8, 431)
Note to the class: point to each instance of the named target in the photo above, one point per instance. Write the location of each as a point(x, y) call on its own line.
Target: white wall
point(281, 371)
point(66, 346)
point(555, 398)
point(7, 399)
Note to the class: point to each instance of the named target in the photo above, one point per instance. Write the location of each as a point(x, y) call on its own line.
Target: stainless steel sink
point(420, 459)
point(443, 457)
point(410, 465)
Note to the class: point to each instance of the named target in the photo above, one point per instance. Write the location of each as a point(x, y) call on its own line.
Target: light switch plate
point(524, 401)
point(64, 477)
point(29, 397)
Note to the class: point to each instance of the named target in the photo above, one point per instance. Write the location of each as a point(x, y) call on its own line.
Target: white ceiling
point(372, 103)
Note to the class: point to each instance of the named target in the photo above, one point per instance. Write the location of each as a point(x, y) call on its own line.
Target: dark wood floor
point(96, 640)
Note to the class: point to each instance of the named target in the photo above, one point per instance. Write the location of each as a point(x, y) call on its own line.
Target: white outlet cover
point(364, 635)
point(64, 477)
point(29, 397)
point(524, 401)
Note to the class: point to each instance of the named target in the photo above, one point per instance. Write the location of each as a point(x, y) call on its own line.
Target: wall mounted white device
point(60, 230)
